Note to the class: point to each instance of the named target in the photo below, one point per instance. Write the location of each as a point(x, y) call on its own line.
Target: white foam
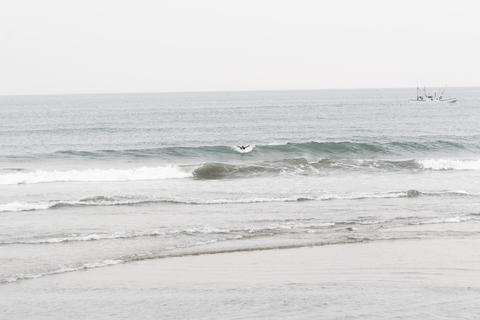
point(247, 200)
point(456, 219)
point(141, 173)
point(23, 206)
point(30, 206)
point(85, 266)
point(246, 150)
point(360, 196)
point(133, 200)
point(450, 164)
point(86, 237)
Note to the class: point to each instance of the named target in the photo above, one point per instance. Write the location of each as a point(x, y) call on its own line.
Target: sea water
point(91, 181)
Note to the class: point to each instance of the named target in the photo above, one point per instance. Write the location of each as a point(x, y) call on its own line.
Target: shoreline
point(427, 278)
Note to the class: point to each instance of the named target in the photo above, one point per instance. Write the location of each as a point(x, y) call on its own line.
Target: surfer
point(244, 147)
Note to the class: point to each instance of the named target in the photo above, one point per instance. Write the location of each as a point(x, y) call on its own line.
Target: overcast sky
point(63, 46)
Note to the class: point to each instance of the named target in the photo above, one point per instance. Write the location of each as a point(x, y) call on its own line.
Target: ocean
point(93, 181)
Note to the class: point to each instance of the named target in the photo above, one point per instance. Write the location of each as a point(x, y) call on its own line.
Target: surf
point(137, 200)
point(242, 149)
point(94, 175)
point(228, 170)
point(374, 147)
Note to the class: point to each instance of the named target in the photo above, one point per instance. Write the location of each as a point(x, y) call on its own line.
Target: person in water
point(244, 147)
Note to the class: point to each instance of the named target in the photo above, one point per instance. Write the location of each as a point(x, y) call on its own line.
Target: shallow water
point(90, 181)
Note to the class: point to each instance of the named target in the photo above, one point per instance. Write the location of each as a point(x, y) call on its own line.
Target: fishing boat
point(428, 97)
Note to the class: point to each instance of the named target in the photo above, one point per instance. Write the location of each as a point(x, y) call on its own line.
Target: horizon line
point(218, 91)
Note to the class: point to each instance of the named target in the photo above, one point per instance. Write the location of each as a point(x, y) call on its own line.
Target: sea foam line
point(243, 232)
point(24, 206)
point(188, 251)
point(18, 206)
point(92, 175)
point(192, 251)
point(450, 164)
point(246, 231)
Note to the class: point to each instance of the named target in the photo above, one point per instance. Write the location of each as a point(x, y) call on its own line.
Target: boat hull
point(435, 101)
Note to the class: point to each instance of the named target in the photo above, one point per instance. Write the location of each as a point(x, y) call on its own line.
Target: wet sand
point(402, 279)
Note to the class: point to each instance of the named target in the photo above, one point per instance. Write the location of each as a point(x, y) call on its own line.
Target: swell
point(136, 201)
point(319, 148)
point(301, 166)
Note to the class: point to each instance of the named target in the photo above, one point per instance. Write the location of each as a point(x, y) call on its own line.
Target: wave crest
point(217, 170)
point(316, 148)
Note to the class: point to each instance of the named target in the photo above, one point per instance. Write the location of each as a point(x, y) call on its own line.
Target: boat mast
point(443, 91)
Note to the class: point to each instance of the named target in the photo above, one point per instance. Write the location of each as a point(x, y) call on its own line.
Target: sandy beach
point(407, 279)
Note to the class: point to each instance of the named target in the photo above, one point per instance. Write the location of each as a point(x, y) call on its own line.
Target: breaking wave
point(301, 166)
point(219, 170)
point(247, 149)
point(91, 175)
point(138, 200)
point(24, 206)
point(450, 164)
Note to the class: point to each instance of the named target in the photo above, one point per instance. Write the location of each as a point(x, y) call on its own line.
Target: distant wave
point(314, 148)
point(19, 206)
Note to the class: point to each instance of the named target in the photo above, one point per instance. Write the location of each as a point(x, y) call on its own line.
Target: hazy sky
point(63, 46)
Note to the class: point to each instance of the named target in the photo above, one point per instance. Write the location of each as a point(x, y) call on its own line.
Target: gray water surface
point(90, 181)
